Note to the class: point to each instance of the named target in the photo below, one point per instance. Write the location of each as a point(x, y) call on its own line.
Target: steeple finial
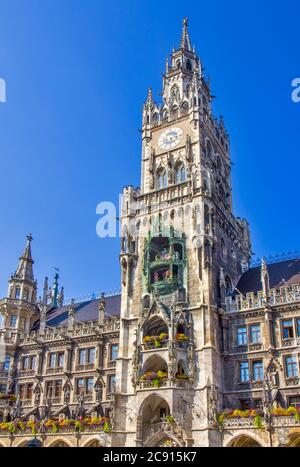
point(185, 42)
point(24, 270)
point(149, 96)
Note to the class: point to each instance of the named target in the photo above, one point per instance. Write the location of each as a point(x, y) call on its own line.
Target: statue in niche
point(213, 404)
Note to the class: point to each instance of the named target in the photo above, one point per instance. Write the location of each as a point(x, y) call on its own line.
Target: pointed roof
point(185, 42)
point(24, 269)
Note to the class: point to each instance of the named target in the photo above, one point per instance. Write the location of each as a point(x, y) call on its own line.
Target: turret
point(22, 285)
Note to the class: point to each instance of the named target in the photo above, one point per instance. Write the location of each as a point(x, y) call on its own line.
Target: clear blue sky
point(77, 73)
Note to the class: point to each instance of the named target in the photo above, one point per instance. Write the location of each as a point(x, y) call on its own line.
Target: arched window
point(18, 293)
point(180, 174)
point(175, 93)
point(165, 115)
point(209, 150)
point(228, 285)
point(161, 179)
point(223, 248)
point(155, 117)
point(189, 65)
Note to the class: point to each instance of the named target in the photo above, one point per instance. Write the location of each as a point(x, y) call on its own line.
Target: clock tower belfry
point(182, 254)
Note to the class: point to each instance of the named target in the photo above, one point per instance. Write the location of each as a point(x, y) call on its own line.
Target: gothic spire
point(24, 269)
point(54, 301)
point(185, 42)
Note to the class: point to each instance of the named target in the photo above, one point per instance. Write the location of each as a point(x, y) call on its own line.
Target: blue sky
point(77, 74)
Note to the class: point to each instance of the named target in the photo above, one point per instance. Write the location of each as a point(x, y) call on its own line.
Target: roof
point(85, 311)
point(280, 274)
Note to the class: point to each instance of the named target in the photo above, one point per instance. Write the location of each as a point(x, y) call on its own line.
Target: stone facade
point(198, 329)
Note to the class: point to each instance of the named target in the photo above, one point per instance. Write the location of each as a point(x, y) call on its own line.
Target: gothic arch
point(244, 440)
point(152, 400)
point(23, 443)
point(155, 363)
point(155, 321)
point(92, 443)
point(209, 148)
point(60, 443)
point(294, 441)
point(158, 438)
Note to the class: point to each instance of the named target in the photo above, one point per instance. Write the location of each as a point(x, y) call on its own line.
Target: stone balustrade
point(278, 296)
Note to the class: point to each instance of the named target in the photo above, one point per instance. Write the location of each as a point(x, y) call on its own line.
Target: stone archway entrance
point(156, 425)
point(163, 440)
point(244, 441)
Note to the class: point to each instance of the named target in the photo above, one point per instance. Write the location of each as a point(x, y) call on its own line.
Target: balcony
point(279, 296)
point(164, 383)
point(289, 343)
point(26, 402)
point(85, 367)
point(26, 373)
point(86, 398)
point(295, 381)
point(52, 371)
point(54, 400)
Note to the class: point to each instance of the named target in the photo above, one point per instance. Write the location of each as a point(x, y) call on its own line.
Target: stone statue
point(80, 409)
point(16, 411)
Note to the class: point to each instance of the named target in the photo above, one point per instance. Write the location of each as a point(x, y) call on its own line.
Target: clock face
point(170, 138)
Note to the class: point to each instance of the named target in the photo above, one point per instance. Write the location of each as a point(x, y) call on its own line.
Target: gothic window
point(244, 372)
point(223, 248)
point(180, 174)
point(6, 364)
point(26, 295)
point(209, 150)
point(228, 284)
point(18, 293)
point(175, 93)
point(291, 366)
point(189, 65)
point(287, 329)
point(13, 321)
point(178, 64)
point(255, 334)
point(219, 164)
point(258, 371)
point(241, 336)
point(185, 108)
point(161, 179)
point(114, 352)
